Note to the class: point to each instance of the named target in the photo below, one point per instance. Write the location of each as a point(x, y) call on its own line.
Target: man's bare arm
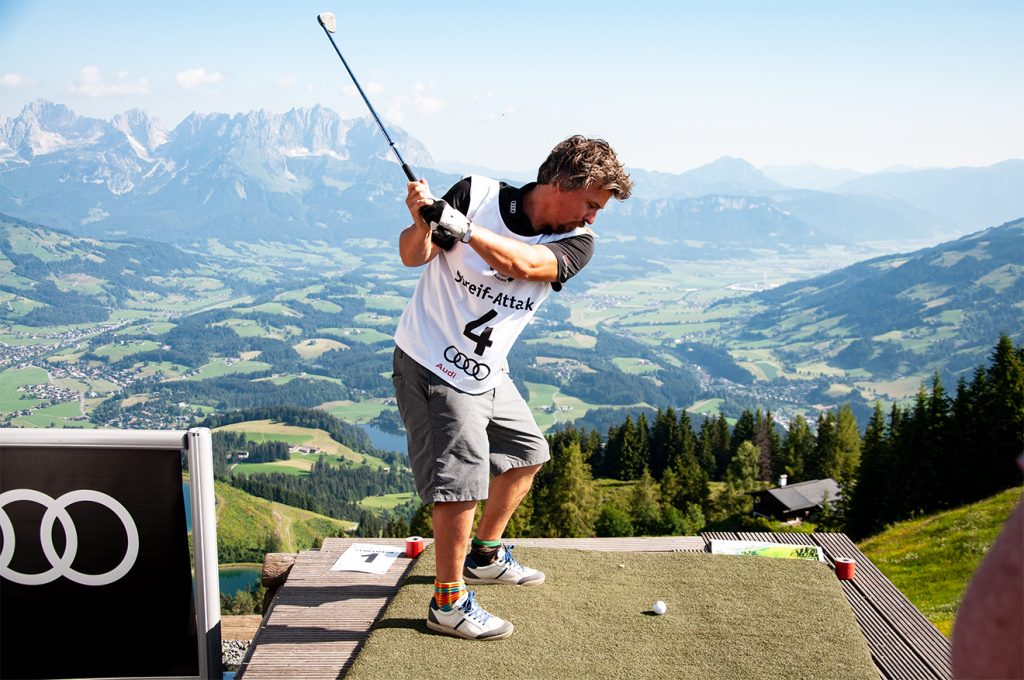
point(519, 260)
point(414, 244)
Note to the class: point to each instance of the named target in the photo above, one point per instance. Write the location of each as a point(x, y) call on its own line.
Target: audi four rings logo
point(60, 565)
point(468, 365)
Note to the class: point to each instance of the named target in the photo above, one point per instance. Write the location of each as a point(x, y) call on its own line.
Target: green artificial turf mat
point(728, 617)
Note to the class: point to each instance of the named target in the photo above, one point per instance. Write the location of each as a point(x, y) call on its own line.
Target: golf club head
point(328, 21)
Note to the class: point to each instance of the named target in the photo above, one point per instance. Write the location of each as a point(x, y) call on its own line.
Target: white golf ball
point(660, 607)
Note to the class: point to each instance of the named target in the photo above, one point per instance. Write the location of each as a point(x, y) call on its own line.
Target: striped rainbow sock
point(447, 594)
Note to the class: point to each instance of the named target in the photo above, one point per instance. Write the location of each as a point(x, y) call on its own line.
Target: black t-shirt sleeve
point(458, 198)
point(572, 255)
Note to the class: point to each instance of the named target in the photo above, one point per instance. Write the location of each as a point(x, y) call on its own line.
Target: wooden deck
point(319, 619)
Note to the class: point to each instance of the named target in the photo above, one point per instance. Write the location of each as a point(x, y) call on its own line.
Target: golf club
point(329, 24)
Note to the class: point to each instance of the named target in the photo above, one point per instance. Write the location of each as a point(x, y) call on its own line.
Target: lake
point(232, 579)
point(236, 579)
point(385, 441)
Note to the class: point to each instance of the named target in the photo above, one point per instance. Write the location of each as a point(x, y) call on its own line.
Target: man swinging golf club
point(493, 254)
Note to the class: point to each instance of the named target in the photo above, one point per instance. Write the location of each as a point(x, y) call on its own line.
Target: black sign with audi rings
point(87, 537)
point(467, 364)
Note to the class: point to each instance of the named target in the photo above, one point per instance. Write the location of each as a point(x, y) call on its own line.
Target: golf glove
point(445, 220)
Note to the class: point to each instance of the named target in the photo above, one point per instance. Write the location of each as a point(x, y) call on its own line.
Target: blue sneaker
point(468, 620)
point(504, 569)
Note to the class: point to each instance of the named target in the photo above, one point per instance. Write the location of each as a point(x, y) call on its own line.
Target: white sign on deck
point(368, 558)
point(767, 549)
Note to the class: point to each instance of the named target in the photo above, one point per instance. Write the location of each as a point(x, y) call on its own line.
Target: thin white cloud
point(14, 81)
point(369, 88)
point(395, 113)
point(286, 83)
point(417, 101)
point(195, 77)
point(91, 84)
point(429, 105)
point(426, 104)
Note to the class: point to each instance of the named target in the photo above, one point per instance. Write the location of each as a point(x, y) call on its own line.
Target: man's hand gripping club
point(442, 219)
point(447, 221)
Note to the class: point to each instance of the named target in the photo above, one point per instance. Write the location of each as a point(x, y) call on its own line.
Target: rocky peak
point(144, 129)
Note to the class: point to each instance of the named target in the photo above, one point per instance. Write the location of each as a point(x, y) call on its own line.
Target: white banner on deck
point(767, 549)
point(368, 558)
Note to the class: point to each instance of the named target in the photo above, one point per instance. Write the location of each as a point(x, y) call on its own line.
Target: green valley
point(310, 325)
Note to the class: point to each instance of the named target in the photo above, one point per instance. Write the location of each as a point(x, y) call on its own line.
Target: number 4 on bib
point(482, 340)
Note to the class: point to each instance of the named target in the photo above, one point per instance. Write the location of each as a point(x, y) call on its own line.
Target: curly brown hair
point(579, 162)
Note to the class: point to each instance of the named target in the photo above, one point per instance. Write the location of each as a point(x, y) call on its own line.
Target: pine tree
point(631, 462)
point(821, 463)
point(796, 447)
point(689, 446)
point(610, 460)
point(693, 520)
point(1002, 403)
point(685, 482)
point(722, 446)
point(898, 504)
point(613, 522)
point(912, 456)
point(870, 501)
point(847, 457)
point(743, 469)
point(422, 523)
point(396, 527)
point(566, 505)
point(670, 487)
point(961, 438)
point(623, 458)
point(644, 509)
point(590, 446)
point(745, 431)
point(740, 477)
point(767, 441)
point(643, 437)
point(934, 447)
point(706, 447)
point(665, 440)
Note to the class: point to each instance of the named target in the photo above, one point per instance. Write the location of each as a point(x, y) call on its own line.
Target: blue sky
point(672, 85)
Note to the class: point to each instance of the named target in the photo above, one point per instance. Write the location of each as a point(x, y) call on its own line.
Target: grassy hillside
point(931, 559)
point(268, 430)
point(896, 315)
point(248, 526)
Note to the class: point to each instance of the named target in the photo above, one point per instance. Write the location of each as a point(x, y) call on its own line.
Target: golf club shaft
point(405, 166)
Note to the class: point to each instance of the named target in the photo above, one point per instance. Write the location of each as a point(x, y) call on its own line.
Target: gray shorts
point(457, 440)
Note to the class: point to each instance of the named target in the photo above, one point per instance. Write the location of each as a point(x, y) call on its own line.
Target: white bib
point(464, 317)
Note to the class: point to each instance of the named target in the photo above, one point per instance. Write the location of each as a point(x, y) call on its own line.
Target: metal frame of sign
point(198, 445)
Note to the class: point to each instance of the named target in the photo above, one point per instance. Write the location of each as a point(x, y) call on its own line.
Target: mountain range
point(308, 174)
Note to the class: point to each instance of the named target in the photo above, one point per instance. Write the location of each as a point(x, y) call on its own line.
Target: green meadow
point(219, 367)
point(356, 411)
point(117, 351)
point(386, 502)
point(931, 559)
